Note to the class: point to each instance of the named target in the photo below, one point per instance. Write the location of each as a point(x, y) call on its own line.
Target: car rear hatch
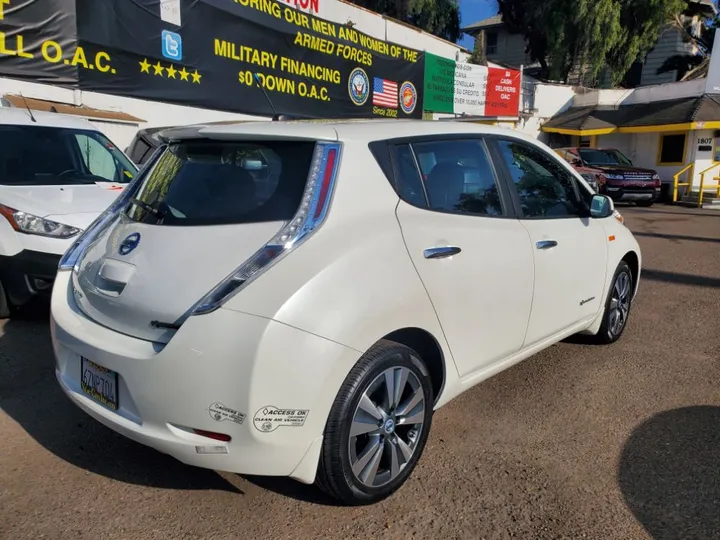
point(203, 208)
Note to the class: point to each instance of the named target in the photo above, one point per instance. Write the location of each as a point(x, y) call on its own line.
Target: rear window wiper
point(159, 214)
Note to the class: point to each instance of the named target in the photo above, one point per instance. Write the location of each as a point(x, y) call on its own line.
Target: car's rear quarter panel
point(352, 281)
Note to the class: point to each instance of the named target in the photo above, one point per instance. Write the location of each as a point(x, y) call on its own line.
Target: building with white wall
point(671, 128)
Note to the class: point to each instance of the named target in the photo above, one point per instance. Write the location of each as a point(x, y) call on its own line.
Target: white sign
point(170, 12)
point(470, 88)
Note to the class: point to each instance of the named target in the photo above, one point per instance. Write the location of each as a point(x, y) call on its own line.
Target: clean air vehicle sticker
point(220, 412)
point(270, 418)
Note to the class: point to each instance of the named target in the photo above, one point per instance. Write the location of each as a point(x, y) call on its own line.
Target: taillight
point(309, 216)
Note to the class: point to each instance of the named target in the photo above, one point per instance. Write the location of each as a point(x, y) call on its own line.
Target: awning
point(581, 121)
point(682, 114)
point(66, 108)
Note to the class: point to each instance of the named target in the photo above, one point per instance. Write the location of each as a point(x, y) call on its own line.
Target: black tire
point(610, 333)
point(645, 204)
point(335, 475)
point(6, 308)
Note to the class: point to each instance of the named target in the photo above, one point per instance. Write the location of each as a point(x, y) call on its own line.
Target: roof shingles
point(704, 108)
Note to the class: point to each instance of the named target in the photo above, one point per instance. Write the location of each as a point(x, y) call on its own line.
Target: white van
point(57, 174)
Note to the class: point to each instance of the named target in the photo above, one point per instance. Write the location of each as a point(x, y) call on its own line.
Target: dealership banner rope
point(212, 53)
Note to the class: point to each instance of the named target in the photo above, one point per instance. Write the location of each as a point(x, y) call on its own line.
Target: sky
point(472, 11)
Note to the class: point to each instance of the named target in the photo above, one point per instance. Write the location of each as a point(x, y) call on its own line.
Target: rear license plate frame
point(103, 376)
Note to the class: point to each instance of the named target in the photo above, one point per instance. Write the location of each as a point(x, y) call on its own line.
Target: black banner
point(211, 53)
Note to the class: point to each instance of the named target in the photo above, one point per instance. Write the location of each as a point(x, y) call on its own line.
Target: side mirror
point(601, 206)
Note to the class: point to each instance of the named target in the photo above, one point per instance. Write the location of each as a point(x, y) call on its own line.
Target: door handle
point(441, 252)
point(546, 244)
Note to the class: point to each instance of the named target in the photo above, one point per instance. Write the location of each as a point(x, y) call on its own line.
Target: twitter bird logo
point(171, 45)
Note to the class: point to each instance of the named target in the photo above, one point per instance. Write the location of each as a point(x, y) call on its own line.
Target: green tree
point(687, 65)
point(589, 35)
point(438, 17)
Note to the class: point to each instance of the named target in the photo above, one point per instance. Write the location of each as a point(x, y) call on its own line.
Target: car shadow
point(676, 237)
point(287, 487)
point(31, 396)
point(650, 274)
point(669, 474)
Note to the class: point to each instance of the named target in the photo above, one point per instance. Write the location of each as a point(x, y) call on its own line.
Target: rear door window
point(210, 183)
point(455, 176)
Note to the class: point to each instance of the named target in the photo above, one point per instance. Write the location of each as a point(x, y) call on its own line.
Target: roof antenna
point(28, 108)
point(276, 116)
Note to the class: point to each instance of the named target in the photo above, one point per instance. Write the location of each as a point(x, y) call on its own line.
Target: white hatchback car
point(298, 298)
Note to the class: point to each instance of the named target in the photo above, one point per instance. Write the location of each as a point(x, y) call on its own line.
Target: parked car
point(311, 328)
point(611, 173)
point(57, 174)
point(143, 145)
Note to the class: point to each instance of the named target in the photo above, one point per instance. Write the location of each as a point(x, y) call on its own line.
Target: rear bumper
point(241, 361)
point(28, 273)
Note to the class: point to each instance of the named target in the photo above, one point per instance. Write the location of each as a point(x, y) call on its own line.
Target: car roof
point(334, 130)
point(12, 116)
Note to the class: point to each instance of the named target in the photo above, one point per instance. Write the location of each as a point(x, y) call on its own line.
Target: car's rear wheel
point(6, 307)
point(617, 305)
point(378, 425)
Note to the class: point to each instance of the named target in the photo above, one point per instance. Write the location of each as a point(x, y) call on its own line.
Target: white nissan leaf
point(298, 298)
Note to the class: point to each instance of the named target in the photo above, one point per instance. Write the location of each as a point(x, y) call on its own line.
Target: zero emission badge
point(408, 97)
point(358, 86)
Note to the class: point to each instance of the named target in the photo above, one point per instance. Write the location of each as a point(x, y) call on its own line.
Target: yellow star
point(171, 71)
point(144, 66)
point(184, 74)
point(158, 69)
point(196, 77)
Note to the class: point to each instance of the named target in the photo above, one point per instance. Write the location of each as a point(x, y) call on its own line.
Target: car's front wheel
point(617, 305)
point(378, 425)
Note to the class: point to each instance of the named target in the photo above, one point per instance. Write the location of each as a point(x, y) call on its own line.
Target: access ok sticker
point(220, 413)
point(270, 418)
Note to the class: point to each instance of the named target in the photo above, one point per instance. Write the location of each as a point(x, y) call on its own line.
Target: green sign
point(439, 84)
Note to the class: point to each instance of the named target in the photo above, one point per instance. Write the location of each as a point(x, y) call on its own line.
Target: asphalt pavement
point(580, 441)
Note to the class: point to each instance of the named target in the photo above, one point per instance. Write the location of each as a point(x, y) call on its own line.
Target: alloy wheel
point(386, 427)
point(619, 304)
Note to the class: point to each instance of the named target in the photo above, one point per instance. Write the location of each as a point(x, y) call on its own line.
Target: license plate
point(99, 383)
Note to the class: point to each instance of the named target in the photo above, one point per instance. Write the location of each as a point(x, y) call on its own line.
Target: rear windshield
point(42, 156)
point(211, 183)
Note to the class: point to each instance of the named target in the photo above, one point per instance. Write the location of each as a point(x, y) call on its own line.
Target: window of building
point(672, 149)
point(492, 41)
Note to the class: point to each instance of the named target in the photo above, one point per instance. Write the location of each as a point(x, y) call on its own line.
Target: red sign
point(502, 97)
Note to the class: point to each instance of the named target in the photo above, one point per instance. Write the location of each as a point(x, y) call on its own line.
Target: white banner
point(470, 89)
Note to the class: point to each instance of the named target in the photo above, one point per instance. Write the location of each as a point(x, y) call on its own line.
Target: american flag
point(385, 93)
